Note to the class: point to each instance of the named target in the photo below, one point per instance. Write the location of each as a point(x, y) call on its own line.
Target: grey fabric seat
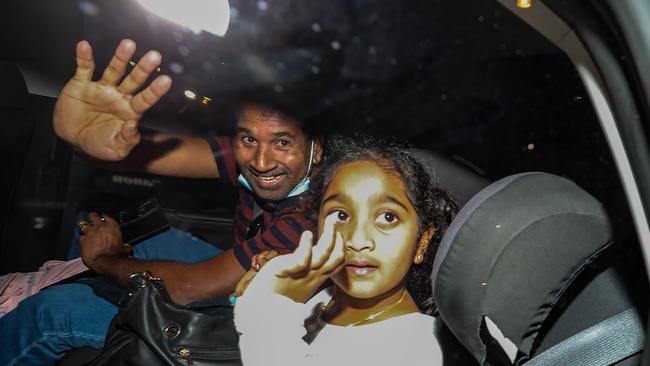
point(528, 263)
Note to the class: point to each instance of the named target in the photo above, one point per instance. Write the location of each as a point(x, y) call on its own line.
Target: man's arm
point(103, 252)
point(185, 283)
point(166, 154)
point(100, 119)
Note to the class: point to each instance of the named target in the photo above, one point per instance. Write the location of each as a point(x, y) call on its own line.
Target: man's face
point(272, 152)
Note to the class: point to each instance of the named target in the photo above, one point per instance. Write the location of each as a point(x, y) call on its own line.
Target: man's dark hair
point(434, 206)
point(301, 110)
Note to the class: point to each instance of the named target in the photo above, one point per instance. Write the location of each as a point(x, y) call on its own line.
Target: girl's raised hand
point(298, 275)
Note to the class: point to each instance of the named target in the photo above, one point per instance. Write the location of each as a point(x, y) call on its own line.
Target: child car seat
point(528, 273)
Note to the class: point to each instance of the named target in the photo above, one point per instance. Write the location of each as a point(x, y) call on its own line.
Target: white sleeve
point(270, 328)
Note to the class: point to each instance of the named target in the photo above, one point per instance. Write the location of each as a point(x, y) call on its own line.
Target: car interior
point(533, 114)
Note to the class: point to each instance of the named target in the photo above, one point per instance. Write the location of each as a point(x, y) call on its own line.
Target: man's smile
point(268, 181)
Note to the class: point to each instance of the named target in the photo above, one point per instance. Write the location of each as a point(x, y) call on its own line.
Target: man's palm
point(100, 118)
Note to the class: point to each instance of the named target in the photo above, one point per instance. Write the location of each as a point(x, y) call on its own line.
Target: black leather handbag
point(149, 329)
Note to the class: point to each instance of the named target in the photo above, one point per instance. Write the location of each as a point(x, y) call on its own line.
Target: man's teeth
point(267, 179)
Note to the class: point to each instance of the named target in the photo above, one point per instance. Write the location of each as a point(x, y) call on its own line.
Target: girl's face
point(379, 225)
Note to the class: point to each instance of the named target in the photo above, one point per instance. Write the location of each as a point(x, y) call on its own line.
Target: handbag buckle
point(171, 330)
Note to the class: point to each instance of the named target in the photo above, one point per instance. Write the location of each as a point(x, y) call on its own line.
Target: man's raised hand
point(100, 118)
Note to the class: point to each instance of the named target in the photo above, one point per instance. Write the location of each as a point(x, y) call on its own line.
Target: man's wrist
point(103, 264)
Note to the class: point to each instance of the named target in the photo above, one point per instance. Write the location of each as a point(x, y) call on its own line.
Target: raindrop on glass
point(183, 50)
point(207, 66)
point(88, 8)
point(176, 68)
point(263, 5)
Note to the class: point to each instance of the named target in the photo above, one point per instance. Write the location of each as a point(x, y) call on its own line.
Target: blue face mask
point(301, 187)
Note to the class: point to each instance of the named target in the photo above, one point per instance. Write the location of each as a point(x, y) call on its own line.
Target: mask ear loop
point(311, 157)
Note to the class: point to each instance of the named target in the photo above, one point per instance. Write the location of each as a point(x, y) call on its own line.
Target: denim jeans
point(46, 325)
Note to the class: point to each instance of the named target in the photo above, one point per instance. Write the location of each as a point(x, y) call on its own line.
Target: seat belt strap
point(605, 343)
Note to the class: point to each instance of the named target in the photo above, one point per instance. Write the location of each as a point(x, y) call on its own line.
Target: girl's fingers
point(323, 249)
point(300, 259)
point(264, 257)
point(244, 282)
point(337, 258)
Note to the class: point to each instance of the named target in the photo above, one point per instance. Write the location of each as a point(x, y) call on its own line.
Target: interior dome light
point(209, 15)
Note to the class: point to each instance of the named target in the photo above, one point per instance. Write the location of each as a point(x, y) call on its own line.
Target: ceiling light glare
point(524, 4)
point(190, 94)
point(212, 16)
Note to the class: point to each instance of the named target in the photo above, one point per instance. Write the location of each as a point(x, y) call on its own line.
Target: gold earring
point(419, 258)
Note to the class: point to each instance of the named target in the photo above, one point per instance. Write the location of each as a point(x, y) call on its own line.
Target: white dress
point(273, 330)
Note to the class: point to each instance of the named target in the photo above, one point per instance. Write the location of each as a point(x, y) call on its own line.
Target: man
point(269, 158)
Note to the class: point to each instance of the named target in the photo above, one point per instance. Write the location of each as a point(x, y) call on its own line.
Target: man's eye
point(284, 143)
point(386, 218)
point(248, 140)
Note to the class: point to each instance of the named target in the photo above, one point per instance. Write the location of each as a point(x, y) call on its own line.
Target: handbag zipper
point(186, 354)
point(206, 354)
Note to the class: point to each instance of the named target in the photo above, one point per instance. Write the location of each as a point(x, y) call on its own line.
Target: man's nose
point(359, 238)
point(263, 160)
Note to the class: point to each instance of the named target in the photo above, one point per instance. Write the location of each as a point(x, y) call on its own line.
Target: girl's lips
point(360, 268)
point(360, 271)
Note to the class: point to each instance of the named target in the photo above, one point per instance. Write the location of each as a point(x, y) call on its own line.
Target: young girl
point(380, 222)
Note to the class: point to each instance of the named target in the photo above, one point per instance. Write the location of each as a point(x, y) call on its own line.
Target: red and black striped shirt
point(284, 221)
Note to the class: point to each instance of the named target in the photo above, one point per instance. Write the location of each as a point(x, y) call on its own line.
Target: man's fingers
point(149, 96)
point(99, 219)
point(140, 73)
point(130, 134)
point(85, 63)
point(115, 69)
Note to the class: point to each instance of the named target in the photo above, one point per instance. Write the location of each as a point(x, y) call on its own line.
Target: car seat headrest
point(462, 181)
point(510, 253)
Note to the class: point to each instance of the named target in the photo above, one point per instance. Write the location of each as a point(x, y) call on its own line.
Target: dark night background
point(465, 78)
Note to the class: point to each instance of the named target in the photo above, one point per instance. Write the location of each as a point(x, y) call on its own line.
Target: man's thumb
point(130, 132)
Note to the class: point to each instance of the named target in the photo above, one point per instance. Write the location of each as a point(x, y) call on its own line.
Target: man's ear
point(423, 244)
point(318, 150)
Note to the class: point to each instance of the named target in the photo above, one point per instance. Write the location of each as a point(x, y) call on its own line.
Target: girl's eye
point(337, 216)
point(342, 216)
point(386, 218)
